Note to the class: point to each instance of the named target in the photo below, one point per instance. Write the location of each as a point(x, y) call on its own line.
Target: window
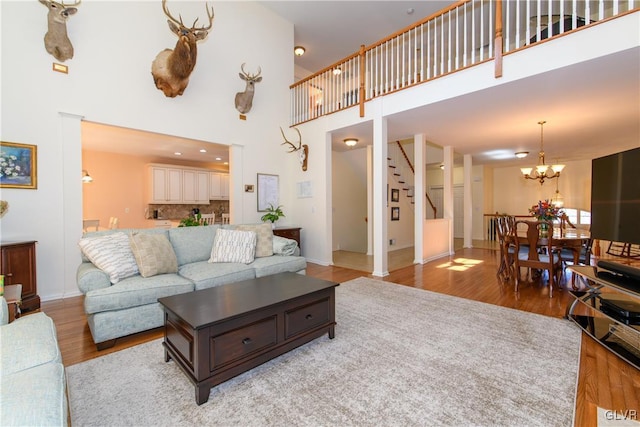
point(578, 216)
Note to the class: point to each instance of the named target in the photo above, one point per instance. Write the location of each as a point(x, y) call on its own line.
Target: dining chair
point(506, 231)
point(113, 222)
point(88, 224)
point(207, 219)
point(540, 254)
point(225, 218)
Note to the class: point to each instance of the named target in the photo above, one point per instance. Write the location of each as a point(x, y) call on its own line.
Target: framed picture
point(248, 188)
point(268, 191)
point(395, 195)
point(18, 165)
point(395, 214)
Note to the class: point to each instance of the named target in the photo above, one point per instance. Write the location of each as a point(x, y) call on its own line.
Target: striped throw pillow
point(111, 254)
point(233, 246)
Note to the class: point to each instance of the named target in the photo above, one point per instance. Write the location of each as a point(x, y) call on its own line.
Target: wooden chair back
point(207, 219)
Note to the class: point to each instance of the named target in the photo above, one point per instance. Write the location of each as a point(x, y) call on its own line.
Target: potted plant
point(273, 214)
point(191, 221)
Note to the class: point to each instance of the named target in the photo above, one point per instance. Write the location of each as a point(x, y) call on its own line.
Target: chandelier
point(542, 171)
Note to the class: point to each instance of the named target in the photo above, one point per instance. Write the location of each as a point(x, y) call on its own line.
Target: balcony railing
point(460, 36)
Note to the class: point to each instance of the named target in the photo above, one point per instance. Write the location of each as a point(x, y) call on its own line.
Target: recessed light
point(202, 150)
point(218, 158)
point(177, 153)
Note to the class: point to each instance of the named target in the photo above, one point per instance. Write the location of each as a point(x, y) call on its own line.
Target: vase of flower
point(544, 210)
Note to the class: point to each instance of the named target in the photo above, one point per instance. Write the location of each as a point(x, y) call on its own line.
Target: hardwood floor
point(604, 379)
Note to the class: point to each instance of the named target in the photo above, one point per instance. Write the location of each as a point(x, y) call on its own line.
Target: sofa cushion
point(34, 397)
point(192, 244)
point(278, 264)
point(207, 275)
point(154, 254)
point(264, 237)
point(135, 291)
point(112, 254)
point(127, 231)
point(233, 246)
point(27, 342)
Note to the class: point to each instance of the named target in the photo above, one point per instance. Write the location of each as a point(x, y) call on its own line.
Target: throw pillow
point(264, 236)
point(111, 254)
point(153, 253)
point(233, 246)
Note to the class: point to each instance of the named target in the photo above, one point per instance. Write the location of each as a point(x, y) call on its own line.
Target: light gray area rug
point(401, 356)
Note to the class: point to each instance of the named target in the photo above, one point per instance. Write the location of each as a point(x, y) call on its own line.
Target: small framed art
point(395, 195)
point(18, 165)
point(395, 214)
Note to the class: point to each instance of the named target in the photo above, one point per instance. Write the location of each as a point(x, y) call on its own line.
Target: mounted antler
point(56, 40)
point(303, 149)
point(244, 100)
point(171, 68)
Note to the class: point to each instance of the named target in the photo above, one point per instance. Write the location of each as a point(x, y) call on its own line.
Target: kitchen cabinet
point(166, 184)
point(218, 186)
point(195, 186)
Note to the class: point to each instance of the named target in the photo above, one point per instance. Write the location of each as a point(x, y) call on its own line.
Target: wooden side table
point(13, 296)
point(289, 233)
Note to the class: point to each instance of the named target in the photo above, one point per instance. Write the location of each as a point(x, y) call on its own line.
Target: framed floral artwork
point(18, 165)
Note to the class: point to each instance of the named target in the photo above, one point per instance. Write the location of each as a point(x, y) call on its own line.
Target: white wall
point(109, 81)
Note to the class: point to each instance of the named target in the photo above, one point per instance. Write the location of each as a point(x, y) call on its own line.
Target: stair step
point(396, 174)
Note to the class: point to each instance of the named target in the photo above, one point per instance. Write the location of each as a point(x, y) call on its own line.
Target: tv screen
point(615, 197)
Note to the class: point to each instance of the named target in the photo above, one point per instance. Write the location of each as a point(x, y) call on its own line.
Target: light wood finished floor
point(604, 380)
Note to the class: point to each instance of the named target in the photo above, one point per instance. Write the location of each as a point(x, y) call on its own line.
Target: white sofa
point(131, 305)
point(33, 385)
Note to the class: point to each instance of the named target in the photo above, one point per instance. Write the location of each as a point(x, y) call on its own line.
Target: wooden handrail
point(404, 153)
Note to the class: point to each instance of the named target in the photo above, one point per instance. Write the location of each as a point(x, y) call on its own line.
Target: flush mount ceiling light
point(86, 178)
point(542, 171)
point(351, 142)
point(177, 153)
point(522, 154)
point(299, 50)
point(202, 150)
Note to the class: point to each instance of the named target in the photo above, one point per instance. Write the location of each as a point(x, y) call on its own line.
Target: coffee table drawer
point(241, 342)
point(307, 317)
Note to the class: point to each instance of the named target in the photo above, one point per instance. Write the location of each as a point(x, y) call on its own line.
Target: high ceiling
point(591, 110)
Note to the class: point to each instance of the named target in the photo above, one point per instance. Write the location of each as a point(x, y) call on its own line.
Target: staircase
point(404, 173)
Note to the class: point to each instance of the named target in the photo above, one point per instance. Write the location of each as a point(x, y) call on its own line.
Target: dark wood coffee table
point(215, 334)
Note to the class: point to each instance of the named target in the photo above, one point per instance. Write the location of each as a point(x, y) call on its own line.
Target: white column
point(420, 161)
point(448, 192)
point(380, 209)
point(71, 168)
point(236, 180)
point(468, 202)
point(369, 200)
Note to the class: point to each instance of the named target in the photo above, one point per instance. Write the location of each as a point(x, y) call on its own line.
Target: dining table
point(562, 238)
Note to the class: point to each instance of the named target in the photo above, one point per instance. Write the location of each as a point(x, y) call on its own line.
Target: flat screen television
point(615, 197)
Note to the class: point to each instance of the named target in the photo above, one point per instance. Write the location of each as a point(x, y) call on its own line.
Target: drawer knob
point(309, 317)
point(246, 341)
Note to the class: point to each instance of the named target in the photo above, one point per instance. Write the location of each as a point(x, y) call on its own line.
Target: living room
point(109, 82)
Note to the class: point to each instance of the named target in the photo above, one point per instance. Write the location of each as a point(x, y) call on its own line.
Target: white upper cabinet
point(218, 186)
point(166, 184)
point(195, 186)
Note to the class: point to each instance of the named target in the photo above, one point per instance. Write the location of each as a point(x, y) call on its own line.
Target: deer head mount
point(56, 40)
point(171, 68)
point(303, 150)
point(244, 100)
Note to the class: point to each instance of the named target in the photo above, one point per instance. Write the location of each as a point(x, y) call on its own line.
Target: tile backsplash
point(177, 212)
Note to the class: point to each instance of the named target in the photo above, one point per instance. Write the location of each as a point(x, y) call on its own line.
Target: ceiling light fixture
point(299, 50)
point(202, 150)
point(522, 154)
point(218, 158)
point(177, 153)
point(542, 171)
point(351, 142)
point(557, 200)
point(442, 166)
point(86, 178)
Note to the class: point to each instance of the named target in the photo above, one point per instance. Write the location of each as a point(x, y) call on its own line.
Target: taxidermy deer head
point(56, 40)
point(303, 150)
point(171, 68)
point(244, 100)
